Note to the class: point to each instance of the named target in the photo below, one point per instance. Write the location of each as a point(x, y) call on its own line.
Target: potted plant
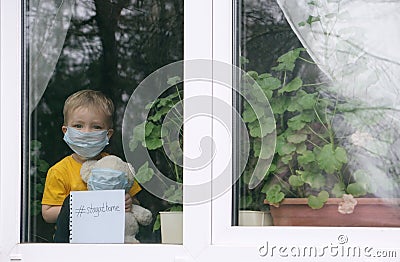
point(165, 116)
point(317, 160)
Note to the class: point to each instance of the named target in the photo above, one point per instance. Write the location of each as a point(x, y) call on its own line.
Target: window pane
point(263, 36)
point(319, 65)
point(107, 46)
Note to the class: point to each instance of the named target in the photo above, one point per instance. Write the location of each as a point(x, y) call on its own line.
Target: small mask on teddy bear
point(110, 173)
point(108, 179)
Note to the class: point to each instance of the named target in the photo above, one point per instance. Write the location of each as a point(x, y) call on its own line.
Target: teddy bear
point(109, 173)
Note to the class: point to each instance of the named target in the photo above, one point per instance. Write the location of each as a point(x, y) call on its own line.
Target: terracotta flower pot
point(369, 212)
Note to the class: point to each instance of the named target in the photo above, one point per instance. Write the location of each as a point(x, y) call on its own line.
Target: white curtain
point(355, 42)
point(48, 22)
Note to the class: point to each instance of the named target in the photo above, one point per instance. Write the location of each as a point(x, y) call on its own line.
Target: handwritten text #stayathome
point(96, 211)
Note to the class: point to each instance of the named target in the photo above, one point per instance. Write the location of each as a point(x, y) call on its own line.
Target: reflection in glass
point(109, 46)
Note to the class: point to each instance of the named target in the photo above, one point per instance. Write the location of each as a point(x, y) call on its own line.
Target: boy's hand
point(128, 203)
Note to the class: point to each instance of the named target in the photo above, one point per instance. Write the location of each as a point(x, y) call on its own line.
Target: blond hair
point(89, 98)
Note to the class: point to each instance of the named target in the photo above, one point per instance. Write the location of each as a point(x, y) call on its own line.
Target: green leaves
point(280, 104)
point(153, 140)
point(268, 84)
point(259, 124)
point(157, 223)
point(35, 148)
point(298, 122)
point(283, 147)
point(311, 19)
point(266, 152)
point(296, 181)
point(144, 173)
point(356, 189)
point(155, 134)
point(302, 101)
point(137, 136)
point(339, 189)
point(313, 179)
point(148, 134)
point(42, 165)
point(293, 85)
point(308, 157)
point(266, 125)
point(317, 202)
point(331, 160)
point(246, 202)
point(296, 138)
point(174, 194)
point(287, 61)
point(274, 194)
point(249, 115)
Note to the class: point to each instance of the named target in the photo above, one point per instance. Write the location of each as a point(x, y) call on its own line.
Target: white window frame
point(208, 234)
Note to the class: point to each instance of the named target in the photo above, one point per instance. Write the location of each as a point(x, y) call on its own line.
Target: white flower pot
point(171, 227)
point(254, 218)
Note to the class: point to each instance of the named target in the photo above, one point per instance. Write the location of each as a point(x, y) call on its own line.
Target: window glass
point(107, 46)
point(264, 34)
point(329, 73)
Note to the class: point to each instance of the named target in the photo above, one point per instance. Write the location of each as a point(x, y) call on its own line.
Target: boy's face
point(87, 119)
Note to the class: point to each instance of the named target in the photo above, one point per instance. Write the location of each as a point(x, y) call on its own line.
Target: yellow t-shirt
point(64, 177)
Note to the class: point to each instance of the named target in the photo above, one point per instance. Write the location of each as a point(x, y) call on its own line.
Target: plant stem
point(315, 84)
point(311, 142)
point(179, 94)
point(320, 120)
point(318, 135)
point(329, 123)
point(284, 79)
point(306, 60)
point(177, 177)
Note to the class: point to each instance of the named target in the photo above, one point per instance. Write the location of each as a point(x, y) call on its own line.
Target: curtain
point(354, 42)
point(48, 22)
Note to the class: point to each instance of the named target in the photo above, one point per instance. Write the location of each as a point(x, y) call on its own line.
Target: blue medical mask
point(108, 179)
point(86, 144)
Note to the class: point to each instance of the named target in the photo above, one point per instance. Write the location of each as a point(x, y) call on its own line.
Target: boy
point(87, 128)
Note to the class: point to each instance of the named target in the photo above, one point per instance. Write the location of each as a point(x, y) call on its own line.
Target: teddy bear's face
point(108, 173)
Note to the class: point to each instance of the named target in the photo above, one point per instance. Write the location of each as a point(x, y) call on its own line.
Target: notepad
point(97, 216)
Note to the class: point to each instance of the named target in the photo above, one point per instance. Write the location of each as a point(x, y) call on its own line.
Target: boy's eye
point(98, 127)
point(77, 126)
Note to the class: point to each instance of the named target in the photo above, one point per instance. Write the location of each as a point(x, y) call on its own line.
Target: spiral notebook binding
point(70, 217)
